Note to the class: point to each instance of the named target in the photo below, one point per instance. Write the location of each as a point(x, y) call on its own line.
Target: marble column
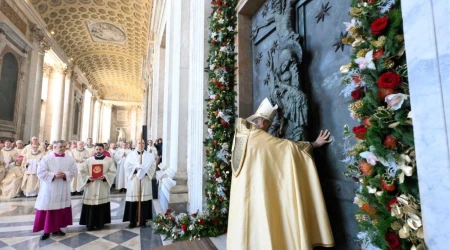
point(427, 39)
point(57, 86)
point(66, 110)
point(96, 122)
point(91, 116)
point(47, 70)
point(133, 122)
point(173, 174)
point(85, 124)
point(197, 89)
point(71, 106)
point(106, 125)
point(35, 81)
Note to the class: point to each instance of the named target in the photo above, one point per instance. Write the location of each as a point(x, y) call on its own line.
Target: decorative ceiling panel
point(106, 39)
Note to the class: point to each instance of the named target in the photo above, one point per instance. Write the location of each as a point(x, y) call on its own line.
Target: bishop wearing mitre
point(97, 177)
point(139, 173)
point(276, 201)
point(80, 154)
point(30, 183)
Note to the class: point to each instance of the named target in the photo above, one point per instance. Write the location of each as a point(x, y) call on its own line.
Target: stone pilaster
point(91, 116)
point(85, 120)
point(43, 105)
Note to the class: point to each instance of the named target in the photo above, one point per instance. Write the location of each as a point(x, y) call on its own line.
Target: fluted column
point(196, 115)
point(106, 126)
point(36, 80)
point(58, 86)
point(66, 109)
point(96, 123)
point(91, 115)
point(71, 106)
point(133, 124)
point(85, 124)
point(47, 70)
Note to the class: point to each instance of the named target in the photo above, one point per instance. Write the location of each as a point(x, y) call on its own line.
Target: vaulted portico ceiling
point(106, 39)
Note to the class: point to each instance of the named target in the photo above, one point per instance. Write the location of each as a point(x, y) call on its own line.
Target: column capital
point(74, 75)
point(68, 72)
point(47, 69)
point(59, 68)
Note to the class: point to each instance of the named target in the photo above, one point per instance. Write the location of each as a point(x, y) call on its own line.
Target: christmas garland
point(383, 158)
point(221, 112)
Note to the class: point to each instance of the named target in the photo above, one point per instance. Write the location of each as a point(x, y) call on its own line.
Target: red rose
point(217, 175)
point(360, 132)
point(227, 68)
point(169, 211)
point(390, 142)
point(393, 201)
point(194, 215)
point(377, 54)
point(172, 218)
point(378, 25)
point(367, 122)
point(215, 221)
point(201, 222)
point(382, 93)
point(214, 42)
point(226, 124)
point(217, 84)
point(219, 2)
point(224, 43)
point(357, 94)
point(356, 79)
point(370, 1)
point(389, 80)
point(184, 227)
point(393, 240)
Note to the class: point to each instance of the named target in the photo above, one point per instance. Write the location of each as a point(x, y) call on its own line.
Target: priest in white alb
point(30, 183)
point(139, 173)
point(27, 148)
point(9, 153)
point(80, 154)
point(97, 177)
point(10, 185)
point(119, 156)
point(90, 147)
point(53, 205)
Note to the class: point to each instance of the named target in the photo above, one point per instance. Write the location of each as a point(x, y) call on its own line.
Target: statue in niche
point(283, 78)
point(121, 136)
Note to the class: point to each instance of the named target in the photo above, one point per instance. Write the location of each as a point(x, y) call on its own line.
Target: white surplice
point(30, 183)
point(145, 174)
point(81, 156)
point(55, 194)
point(97, 192)
point(121, 177)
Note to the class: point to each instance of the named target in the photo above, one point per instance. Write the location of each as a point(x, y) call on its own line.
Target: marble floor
point(16, 223)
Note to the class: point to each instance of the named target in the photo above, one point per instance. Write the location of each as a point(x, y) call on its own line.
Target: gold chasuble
point(276, 201)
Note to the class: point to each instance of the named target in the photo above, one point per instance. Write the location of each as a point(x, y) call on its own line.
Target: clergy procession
point(54, 173)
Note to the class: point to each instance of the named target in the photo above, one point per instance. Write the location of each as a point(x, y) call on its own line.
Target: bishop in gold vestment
point(276, 201)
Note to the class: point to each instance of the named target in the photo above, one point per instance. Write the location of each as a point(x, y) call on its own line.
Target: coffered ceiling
point(106, 39)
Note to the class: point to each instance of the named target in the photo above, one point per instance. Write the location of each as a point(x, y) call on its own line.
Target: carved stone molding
point(13, 16)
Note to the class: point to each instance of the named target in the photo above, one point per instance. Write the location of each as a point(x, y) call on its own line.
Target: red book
point(97, 170)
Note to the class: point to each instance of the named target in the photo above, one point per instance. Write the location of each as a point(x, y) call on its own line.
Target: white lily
point(404, 232)
point(351, 24)
point(370, 157)
point(403, 165)
point(371, 190)
point(366, 61)
point(395, 101)
point(212, 66)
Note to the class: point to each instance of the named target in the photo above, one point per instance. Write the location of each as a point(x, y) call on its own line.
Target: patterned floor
point(16, 223)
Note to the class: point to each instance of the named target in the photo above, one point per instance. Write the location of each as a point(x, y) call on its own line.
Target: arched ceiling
point(106, 39)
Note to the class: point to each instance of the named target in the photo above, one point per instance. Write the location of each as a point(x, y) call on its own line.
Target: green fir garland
point(383, 158)
point(221, 114)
